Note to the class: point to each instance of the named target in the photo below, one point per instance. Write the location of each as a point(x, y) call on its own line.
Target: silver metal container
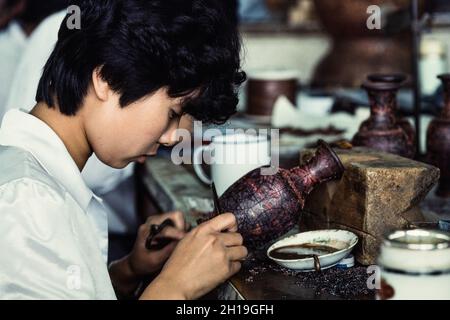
point(415, 264)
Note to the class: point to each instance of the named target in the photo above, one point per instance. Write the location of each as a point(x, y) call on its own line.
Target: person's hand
point(143, 261)
point(127, 273)
point(205, 258)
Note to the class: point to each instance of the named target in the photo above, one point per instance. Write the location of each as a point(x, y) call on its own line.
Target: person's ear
point(101, 87)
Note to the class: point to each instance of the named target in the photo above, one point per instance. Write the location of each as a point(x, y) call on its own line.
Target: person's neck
point(70, 130)
point(28, 27)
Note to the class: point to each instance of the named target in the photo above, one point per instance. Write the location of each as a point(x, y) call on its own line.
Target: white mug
point(232, 157)
point(415, 264)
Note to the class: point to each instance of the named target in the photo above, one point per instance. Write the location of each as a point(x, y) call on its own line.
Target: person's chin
point(120, 164)
point(114, 163)
point(141, 159)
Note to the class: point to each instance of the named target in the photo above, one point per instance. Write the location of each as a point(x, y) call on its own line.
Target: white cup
point(232, 157)
point(415, 264)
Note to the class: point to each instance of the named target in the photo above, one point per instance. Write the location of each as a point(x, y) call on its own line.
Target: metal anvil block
point(377, 193)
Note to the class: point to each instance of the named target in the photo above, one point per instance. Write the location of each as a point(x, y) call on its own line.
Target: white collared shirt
point(53, 229)
point(12, 43)
point(112, 184)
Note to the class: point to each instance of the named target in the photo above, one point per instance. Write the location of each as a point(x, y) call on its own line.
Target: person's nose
point(154, 150)
point(168, 138)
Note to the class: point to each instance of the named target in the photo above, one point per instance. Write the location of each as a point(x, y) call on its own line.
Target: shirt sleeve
point(39, 254)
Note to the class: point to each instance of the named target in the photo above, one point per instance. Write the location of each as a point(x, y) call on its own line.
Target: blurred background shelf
point(276, 29)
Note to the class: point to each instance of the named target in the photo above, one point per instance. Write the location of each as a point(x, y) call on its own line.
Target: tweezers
point(156, 229)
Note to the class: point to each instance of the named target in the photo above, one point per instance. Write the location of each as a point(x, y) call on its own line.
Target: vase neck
point(446, 110)
point(302, 181)
point(312, 173)
point(322, 167)
point(383, 107)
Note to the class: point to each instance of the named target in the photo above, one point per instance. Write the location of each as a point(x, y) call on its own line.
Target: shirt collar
point(17, 32)
point(22, 130)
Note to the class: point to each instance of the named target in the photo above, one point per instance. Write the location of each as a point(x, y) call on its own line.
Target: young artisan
point(118, 88)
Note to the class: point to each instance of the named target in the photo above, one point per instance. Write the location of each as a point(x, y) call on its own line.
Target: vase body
point(381, 131)
point(438, 141)
point(268, 206)
point(356, 50)
point(404, 123)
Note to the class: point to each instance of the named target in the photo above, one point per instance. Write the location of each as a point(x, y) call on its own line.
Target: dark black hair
point(37, 10)
point(141, 46)
point(10, 3)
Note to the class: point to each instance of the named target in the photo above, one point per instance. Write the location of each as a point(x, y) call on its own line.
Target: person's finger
point(223, 222)
point(233, 228)
point(177, 218)
point(153, 220)
point(238, 253)
point(166, 251)
point(230, 239)
point(143, 232)
point(171, 233)
point(234, 268)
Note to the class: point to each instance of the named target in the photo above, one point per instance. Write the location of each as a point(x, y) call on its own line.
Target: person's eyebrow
point(182, 105)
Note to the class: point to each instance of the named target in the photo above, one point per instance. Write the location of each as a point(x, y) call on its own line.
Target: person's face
point(119, 136)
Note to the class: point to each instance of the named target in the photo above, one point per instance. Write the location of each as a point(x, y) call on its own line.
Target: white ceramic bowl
point(342, 240)
point(273, 74)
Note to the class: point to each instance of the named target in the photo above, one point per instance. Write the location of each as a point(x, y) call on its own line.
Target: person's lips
point(142, 159)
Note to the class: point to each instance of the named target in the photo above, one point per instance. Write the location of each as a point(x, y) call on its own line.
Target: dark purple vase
point(404, 123)
point(438, 141)
point(382, 131)
point(268, 206)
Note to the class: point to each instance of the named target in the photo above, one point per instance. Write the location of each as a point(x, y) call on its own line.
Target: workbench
point(172, 187)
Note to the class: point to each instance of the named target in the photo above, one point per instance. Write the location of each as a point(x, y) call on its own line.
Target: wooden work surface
point(174, 187)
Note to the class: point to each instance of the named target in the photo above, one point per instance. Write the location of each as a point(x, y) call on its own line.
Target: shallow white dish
point(342, 240)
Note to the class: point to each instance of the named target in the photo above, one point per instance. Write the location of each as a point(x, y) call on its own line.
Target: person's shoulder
point(48, 29)
point(6, 34)
point(12, 39)
point(21, 170)
point(30, 196)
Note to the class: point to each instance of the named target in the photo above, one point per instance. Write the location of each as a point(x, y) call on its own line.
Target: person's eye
point(173, 115)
